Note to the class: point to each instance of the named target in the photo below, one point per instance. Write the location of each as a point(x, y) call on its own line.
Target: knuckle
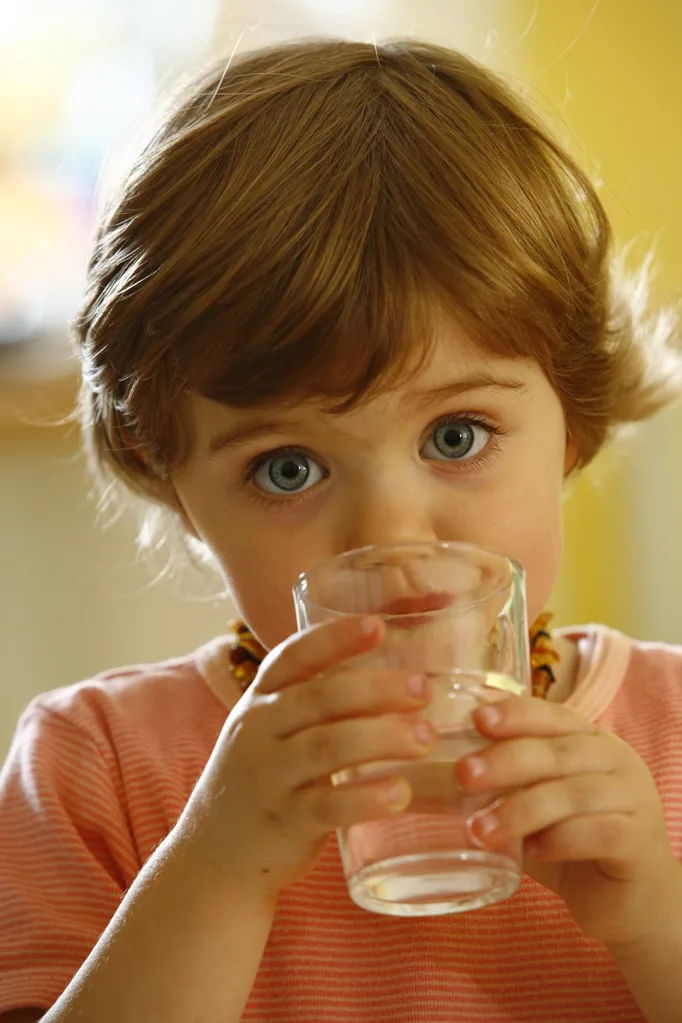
point(523, 813)
point(610, 833)
point(315, 699)
point(510, 757)
point(320, 808)
point(242, 725)
point(320, 746)
point(281, 661)
point(273, 817)
point(256, 716)
point(533, 809)
point(582, 794)
point(563, 750)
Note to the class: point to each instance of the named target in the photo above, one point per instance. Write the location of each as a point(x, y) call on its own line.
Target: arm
point(185, 943)
point(183, 946)
point(88, 945)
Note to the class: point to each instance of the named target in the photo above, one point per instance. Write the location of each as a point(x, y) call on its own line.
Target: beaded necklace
point(246, 654)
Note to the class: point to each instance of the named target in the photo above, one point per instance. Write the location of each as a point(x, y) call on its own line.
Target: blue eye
point(458, 439)
point(289, 472)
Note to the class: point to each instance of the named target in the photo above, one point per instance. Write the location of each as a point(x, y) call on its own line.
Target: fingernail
point(475, 766)
point(398, 795)
point(487, 824)
point(490, 716)
point(369, 626)
point(415, 685)
point(424, 733)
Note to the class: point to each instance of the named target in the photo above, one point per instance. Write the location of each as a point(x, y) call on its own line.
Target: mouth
point(415, 609)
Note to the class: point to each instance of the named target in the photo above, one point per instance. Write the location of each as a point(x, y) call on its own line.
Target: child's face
point(390, 470)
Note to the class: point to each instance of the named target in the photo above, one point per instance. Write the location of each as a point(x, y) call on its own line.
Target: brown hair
point(293, 224)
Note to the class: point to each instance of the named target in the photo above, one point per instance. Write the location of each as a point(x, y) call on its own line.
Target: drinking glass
point(455, 614)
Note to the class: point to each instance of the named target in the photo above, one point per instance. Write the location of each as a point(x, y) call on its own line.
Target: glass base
point(432, 885)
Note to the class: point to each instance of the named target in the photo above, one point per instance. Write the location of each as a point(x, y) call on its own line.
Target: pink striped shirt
point(99, 772)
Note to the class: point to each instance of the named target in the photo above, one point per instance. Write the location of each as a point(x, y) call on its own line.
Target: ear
point(571, 457)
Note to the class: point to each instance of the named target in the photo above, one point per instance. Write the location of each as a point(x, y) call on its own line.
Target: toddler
point(347, 296)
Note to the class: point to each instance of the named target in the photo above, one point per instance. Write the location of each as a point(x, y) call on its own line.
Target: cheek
point(539, 548)
point(257, 567)
point(532, 522)
point(542, 567)
point(527, 524)
point(261, 592)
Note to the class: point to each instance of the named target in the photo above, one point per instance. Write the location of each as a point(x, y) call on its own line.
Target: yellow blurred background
point(77, 81)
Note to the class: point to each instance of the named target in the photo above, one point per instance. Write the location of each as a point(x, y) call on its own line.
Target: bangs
point(317, 259)
point(346, 351)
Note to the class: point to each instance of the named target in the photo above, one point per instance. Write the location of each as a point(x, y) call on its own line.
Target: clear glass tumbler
point(457, 614)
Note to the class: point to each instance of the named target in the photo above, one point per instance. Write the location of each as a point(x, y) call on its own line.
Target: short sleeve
point(66, 855)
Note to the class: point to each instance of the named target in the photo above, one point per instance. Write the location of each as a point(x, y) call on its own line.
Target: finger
point(325, 749)
point(529, 716)
point(320, 648)
point(346, 694)
point(321, 809)
point(543, 806)
point(514, 762)
point(604, 838)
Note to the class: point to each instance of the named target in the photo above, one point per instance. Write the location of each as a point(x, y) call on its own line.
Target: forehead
point(454, 355)
point(455, 367)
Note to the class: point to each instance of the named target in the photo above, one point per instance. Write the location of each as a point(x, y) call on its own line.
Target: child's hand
point(591, 806)
point(264, 805)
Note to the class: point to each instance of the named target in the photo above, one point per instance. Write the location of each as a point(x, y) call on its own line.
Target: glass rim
point(302, 578)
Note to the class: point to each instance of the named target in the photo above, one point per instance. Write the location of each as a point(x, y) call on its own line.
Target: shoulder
point(654, 675)
point(626, 684)
point(118, 754)
point(652, 670)
point(665, 656)
point(148, 711)
point(646, 708)
point(612, 662)
point(648, 715)
point(654, 682)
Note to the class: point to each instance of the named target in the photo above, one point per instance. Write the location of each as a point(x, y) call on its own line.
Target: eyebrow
point(238, 435)
point(250, 430)
point(477, 382)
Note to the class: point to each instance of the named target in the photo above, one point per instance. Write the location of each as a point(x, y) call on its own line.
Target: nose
point(388, 514)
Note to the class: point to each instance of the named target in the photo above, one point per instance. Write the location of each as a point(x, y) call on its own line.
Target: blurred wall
point(610, 78)
point(73, 598)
